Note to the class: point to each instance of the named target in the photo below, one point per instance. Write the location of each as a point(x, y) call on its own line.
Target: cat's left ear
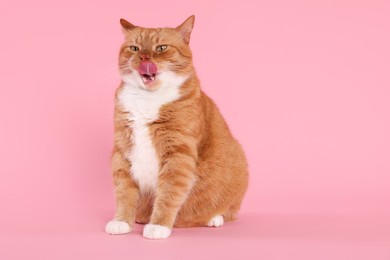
point(185, 28)
point(126, 26)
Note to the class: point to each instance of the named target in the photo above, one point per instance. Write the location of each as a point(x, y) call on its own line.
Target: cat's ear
point(126, 26)
point(185, 28)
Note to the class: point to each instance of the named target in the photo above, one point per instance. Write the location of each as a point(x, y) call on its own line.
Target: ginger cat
point(175, 162)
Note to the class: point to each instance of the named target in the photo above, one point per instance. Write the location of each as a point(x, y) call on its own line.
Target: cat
point(174, 162)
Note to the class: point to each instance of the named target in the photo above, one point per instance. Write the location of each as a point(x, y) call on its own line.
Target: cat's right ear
point(185, 28)
point(126, 26)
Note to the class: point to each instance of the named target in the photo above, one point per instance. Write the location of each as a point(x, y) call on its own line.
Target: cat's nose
point(144, 57)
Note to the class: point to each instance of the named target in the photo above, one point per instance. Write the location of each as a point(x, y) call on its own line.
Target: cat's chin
point(151, 87)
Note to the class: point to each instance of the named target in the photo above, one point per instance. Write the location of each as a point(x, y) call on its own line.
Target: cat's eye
point(161, 48)
point(134, 48)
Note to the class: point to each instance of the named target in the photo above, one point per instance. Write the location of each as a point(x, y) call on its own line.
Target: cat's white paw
point(216, 221)
point(117, 227)
point(153, 231)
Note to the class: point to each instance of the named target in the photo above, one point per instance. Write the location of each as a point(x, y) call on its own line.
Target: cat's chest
point(143, 108)
point(143, 156)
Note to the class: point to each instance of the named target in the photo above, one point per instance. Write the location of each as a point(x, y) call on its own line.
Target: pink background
point(304, 85)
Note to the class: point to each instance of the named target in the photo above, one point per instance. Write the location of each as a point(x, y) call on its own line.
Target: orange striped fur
point(202, 169)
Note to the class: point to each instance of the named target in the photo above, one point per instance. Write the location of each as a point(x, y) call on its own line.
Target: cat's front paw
point(216, 221)
point(117, 227)
point(153, 231)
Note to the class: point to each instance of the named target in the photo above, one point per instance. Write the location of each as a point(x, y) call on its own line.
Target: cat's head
point(151, 56)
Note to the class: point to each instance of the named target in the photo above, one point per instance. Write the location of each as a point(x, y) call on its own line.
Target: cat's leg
point(176, 179)
point(126, 197)
point(144, 209)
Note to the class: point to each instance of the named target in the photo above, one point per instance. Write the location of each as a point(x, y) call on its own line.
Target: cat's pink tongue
point(148, 68)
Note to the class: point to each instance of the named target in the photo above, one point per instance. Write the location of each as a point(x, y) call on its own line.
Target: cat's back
point(218, 144)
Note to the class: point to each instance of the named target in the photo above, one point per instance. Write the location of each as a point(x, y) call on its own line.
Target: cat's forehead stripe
point(139, 38)
point(154, 37)
point(148, 36)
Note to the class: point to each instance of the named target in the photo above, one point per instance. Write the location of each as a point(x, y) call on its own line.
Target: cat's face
point(151, 55)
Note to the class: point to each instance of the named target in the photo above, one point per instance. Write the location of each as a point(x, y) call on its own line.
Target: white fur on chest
point(143, 107)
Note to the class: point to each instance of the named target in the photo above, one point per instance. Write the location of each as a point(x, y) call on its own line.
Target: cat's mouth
point(148, 78)
point(148, 72)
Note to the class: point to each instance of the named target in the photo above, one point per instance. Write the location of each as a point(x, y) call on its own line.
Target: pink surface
point(304, 85)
